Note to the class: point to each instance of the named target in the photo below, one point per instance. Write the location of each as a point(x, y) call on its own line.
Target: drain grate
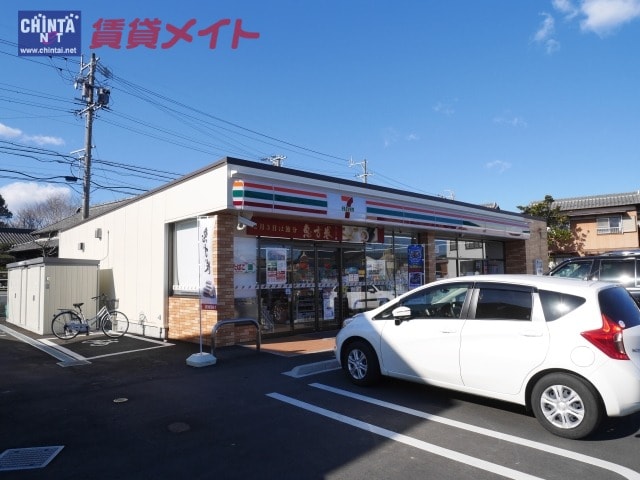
point(27, 458)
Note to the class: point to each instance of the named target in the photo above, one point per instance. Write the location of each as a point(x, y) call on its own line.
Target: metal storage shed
point(37, 288)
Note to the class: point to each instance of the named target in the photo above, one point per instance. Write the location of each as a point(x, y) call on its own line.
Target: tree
point(559, 235)
point(5, 214)
point(46, 212)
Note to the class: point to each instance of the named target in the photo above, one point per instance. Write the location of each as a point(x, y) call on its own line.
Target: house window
point(609, 225)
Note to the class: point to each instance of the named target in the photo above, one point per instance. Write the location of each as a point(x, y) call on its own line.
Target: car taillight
point(608, 338)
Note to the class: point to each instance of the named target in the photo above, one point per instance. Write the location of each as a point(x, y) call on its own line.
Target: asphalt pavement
point(145, 413)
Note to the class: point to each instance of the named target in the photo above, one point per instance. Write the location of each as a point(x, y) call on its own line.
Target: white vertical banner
point(208, 290)
point(208, 293)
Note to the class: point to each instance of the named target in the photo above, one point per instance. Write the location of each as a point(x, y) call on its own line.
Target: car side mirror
point(401, 314)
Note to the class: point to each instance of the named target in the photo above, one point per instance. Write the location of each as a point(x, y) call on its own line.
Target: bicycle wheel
point(115, 324)
point(66, 325)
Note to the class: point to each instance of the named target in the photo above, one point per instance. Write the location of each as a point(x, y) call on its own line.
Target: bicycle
point(68, 323)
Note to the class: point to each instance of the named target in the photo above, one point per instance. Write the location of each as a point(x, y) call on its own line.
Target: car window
point(619, 271)
point(556, 304)
point(574, 269)
point(617, 304)
point(502, 302)
point(443, 301)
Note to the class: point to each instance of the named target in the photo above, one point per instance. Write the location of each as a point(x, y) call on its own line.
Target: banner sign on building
point(415, 265)
point(291, 229)
point(49, 33)
point(208, 293)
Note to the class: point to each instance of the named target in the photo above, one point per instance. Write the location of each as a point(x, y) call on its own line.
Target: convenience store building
point(297, 251)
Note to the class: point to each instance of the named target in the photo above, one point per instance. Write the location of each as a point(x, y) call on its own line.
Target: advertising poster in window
point(208, 294)
point(276, 263)
point(415, 265)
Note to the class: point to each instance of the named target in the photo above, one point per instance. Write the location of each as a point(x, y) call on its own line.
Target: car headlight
point(347, 321)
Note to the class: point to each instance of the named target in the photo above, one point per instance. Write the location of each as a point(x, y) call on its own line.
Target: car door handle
point(449, 330)
point(531, 333)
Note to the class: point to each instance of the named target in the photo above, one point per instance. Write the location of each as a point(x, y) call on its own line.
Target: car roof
point(539, 281)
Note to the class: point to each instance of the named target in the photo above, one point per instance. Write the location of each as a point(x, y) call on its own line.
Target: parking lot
point(136, 410)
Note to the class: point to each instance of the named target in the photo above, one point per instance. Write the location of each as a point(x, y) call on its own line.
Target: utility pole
point(88, 90)
point(93, 104)
point(365, 173)
point(275, 160)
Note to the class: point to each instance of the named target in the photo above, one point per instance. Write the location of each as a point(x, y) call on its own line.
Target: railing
point(608, 230)
point(235, 321)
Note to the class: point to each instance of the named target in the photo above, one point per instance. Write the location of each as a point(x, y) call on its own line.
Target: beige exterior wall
point(589, 242)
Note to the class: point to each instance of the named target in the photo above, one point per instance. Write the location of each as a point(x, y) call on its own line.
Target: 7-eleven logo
point(347, 205)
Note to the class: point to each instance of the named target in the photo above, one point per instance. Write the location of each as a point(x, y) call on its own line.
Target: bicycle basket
point(112, 304)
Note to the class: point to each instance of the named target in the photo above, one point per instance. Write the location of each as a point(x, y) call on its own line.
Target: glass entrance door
point(328, 268)
point(315, 282)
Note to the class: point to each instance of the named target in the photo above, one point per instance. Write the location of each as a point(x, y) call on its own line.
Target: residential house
point(600, 224)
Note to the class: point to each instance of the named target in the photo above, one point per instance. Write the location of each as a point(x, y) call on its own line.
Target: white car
point(568, 350)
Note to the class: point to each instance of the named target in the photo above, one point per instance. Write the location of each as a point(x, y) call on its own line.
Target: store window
point(461, 257)
point(185, 257)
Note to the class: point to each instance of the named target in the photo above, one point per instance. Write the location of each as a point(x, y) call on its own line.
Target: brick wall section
point(183, 312)
point(520, 255)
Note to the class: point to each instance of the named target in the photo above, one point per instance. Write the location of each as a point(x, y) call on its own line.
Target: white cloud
point(511, 120)
point(604, 16)
point(566, 7)
point(498, 165)
point(545, 35)
point(18, 195)
point(8, 132)
point(390, 136)
point(444, 108)
point(11, 133)
point(599, 16)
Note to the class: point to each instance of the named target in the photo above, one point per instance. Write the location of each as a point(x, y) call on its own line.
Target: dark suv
point(617, 267)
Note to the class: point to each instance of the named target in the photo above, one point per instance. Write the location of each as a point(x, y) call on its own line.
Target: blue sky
point(484, 101)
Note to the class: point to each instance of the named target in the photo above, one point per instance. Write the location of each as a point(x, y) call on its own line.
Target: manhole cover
point(27, 458)
point(179, 427)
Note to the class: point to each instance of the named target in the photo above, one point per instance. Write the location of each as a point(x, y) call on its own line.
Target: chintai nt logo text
point(49, 33)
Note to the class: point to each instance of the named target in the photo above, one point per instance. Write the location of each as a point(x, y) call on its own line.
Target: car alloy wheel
point(361, 363)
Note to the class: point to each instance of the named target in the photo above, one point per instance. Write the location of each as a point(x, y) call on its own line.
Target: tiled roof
point(76, 218)
point(34, 245)
point(598, 201)
point(13, 236)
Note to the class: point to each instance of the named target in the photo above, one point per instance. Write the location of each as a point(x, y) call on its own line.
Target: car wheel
point(566, 405)
point(361, 363)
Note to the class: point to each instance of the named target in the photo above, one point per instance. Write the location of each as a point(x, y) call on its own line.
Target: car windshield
point(573, 270)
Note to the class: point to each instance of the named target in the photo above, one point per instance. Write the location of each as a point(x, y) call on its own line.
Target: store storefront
point(297, 251)
point(296, 285)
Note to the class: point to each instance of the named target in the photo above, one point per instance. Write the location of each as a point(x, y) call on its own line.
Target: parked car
point(618, 267)
point(567, 350)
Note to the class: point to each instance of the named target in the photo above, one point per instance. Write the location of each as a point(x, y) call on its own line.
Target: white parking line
point(67, 357)
point(413, 442)
point(612, 467)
